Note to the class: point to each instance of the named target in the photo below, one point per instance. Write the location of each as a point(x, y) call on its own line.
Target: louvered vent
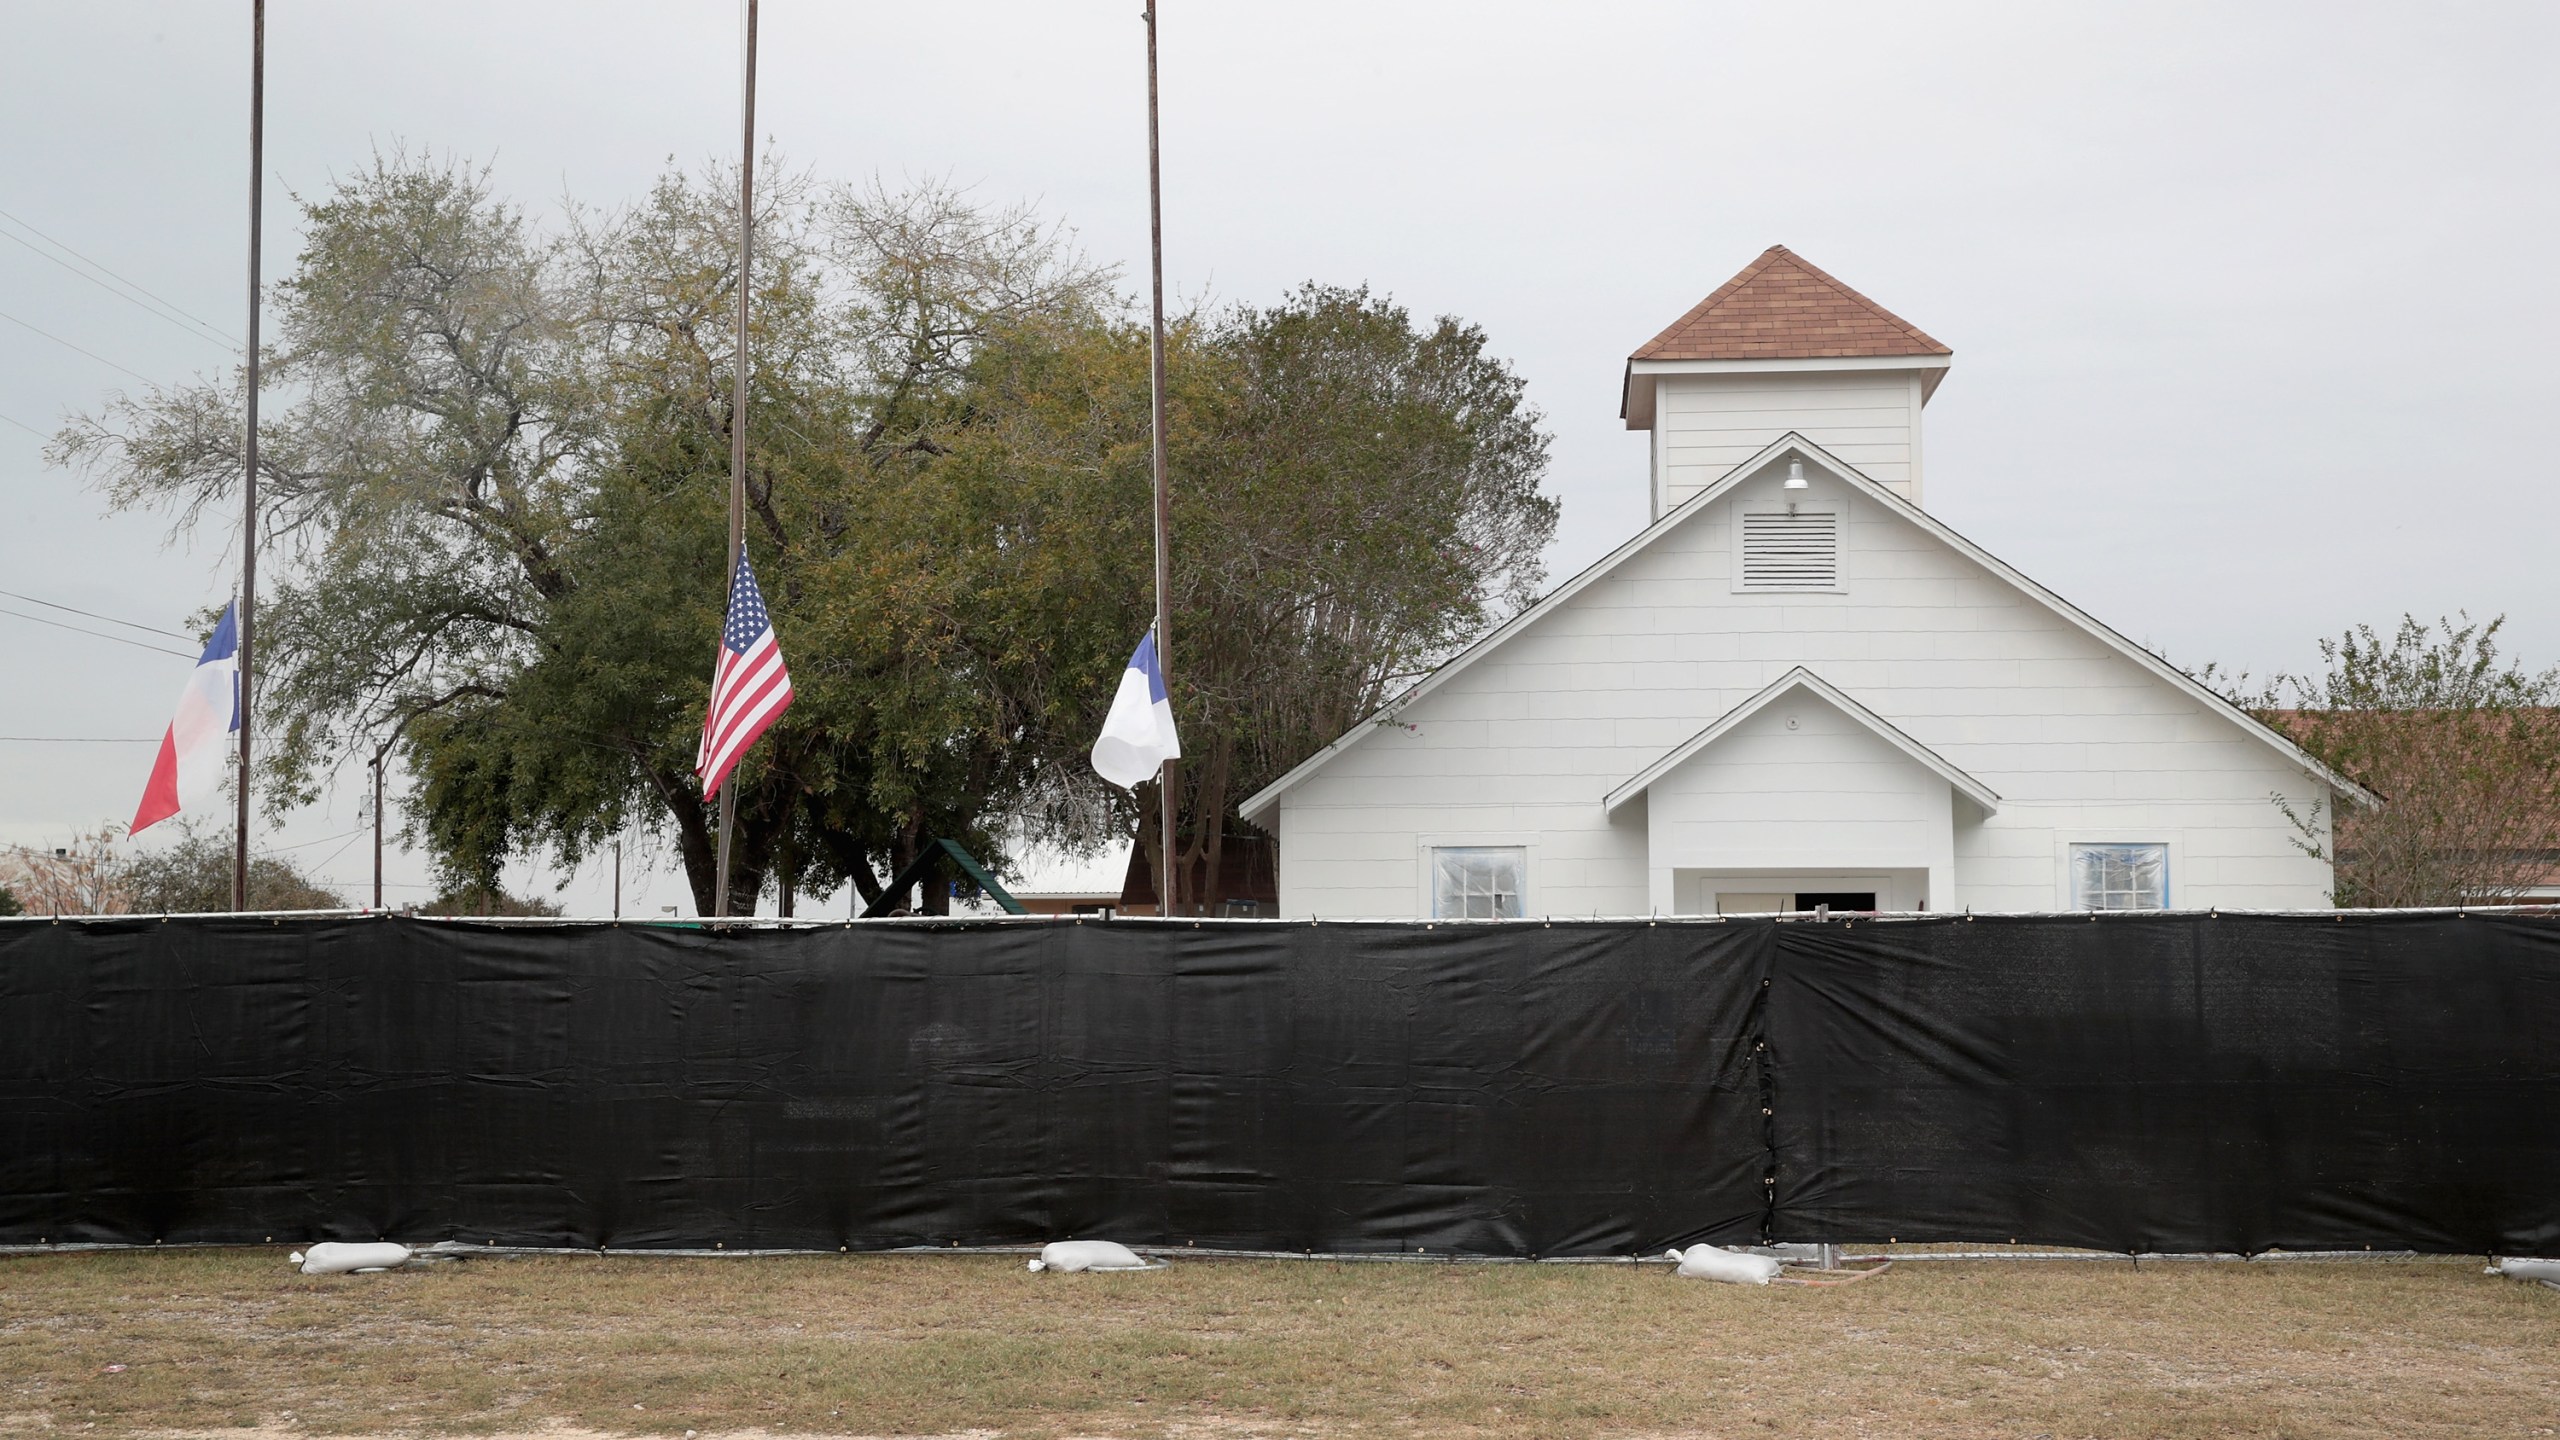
point(1791, 552)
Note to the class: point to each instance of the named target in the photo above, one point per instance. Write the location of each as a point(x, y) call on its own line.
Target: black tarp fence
point(2152, 1083)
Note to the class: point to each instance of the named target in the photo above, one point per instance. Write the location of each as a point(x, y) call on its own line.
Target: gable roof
point(1698, 504)
point(1800, 678)
point(1783, 307)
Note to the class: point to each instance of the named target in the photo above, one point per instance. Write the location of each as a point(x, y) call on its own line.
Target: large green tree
point(1358, 498)
point(498, 470)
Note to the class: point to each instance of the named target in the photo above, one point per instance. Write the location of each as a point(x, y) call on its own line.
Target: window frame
point(1433, 848)
point(2077, 899)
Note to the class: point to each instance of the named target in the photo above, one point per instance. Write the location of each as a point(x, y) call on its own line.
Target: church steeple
point(1782, 346)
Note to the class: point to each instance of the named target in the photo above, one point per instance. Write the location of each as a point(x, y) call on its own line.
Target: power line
point(67, 345)
point(30, 429)
point(321, 865)
point(99, 634)
point(323, 840)
point(144, 305)
point(103, 270)
point(94, 615)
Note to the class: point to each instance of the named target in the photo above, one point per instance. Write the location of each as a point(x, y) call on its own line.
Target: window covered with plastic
point(2120, 877)
point(1477, 882)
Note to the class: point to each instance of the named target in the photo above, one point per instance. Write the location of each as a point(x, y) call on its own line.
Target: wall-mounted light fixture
point(1796, 485)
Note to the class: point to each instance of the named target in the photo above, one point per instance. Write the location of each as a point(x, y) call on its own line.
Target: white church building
point(1796, 689)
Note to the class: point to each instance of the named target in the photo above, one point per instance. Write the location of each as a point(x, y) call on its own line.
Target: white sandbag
point(2546, 1271)
point(336, 1257)
point(1074, 1255)
point(1706, 1262)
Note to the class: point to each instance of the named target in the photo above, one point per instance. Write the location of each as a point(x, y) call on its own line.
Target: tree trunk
point(1151, 838)
point(696, 845)
point(746, 882)
point(865, 883)
point(1208, 832)
point(902, 853)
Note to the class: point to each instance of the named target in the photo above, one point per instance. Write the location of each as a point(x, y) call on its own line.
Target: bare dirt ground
point(231, 1342)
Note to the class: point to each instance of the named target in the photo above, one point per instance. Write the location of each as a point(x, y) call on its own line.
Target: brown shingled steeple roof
point(1781, 307)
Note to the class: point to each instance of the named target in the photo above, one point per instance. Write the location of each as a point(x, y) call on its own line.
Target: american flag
point(751, 688)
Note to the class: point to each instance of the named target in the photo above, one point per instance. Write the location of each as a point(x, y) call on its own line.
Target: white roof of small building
point(1051, 874)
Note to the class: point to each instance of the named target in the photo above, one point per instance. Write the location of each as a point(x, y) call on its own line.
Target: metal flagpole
point(377, 827)
point(738, 422)
point(249, 470)
point(1169, 776)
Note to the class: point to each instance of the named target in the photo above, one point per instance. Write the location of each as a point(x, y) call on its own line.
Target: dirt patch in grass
point(924, 1345)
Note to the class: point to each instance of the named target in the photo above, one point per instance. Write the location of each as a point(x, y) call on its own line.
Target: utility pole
point(738, 416)
point(381, 757)
point(249, 470)
point(617, 875)
point(1168, 778)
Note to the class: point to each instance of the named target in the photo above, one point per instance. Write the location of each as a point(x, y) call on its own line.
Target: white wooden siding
point(2080, 742)
point(1704, 425)
point(1825, 794)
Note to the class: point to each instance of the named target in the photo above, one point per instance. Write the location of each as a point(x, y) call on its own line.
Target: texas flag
point(1137, 736)
point(197, 749)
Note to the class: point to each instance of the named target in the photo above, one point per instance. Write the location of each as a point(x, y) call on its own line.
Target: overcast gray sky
point(2252, 306)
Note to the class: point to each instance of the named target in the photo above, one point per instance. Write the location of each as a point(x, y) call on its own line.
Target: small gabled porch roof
point(1794, 681)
